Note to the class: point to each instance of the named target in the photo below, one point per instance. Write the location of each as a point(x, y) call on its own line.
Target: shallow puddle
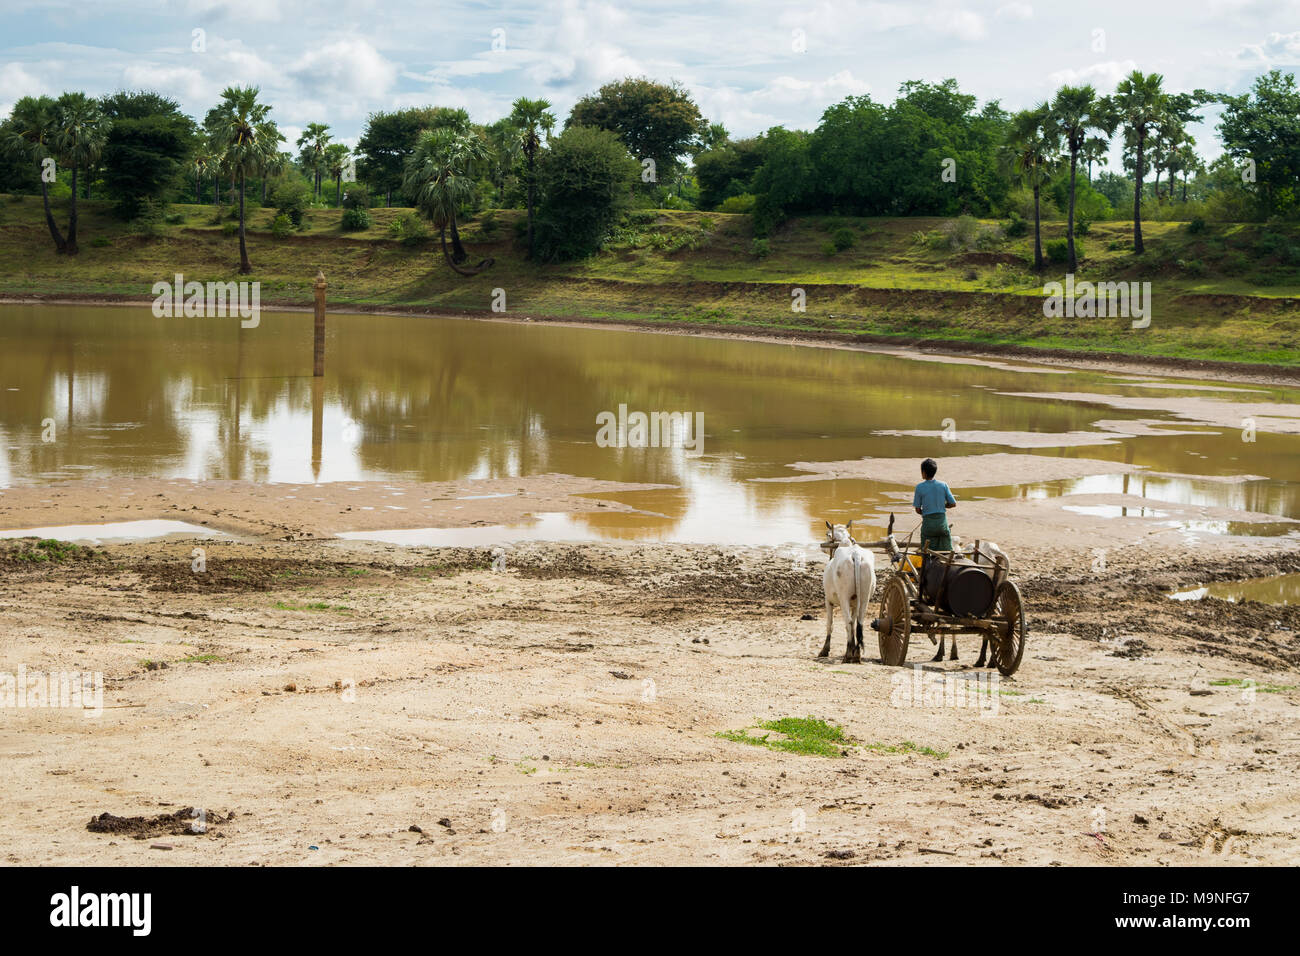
point(1280, 589)
point(116, 531)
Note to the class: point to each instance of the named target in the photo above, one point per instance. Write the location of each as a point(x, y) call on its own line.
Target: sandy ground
point(319, 700)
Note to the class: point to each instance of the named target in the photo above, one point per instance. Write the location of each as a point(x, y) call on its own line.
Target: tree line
point(933, 151)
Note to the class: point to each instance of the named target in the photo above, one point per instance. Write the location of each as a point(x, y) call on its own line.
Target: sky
point(750, 65)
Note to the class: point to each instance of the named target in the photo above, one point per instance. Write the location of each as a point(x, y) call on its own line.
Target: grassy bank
point(1226, 292)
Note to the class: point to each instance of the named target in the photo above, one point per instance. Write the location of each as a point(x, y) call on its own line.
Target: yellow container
point(912, 561)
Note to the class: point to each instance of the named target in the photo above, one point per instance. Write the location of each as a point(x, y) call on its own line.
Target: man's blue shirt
point(932, 496)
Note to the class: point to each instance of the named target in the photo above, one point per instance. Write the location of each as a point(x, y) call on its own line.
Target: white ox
point(849, 581)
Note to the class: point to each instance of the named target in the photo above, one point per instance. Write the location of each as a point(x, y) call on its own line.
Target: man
point(932, 499)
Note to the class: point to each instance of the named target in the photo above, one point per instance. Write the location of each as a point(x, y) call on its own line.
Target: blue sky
point(750, 65)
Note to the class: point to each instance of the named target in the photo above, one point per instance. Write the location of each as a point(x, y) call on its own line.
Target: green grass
point(310, 606)
point(1263, 688)
point(201, 659)
point(907, 747)
point(1219, 294)
point(800, 735)
point(50, 550)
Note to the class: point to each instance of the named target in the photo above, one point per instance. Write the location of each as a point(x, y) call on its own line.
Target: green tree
point(1137, 105)
point(1261, 132)
point(585, 179)
point(244, 137)
point(1031, 151)
point(30, 134)
point(655, 121)
point(727, 170)
point(440, 180)
point(1075, 112)
point(147, 150)
point(389, 140)
point(532, 118)
point(312, 145)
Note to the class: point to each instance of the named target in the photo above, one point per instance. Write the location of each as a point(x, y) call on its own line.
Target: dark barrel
point(968, 591)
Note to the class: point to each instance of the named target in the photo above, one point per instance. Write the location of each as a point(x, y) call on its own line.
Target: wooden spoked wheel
point(1009, 643)
point(895, 623)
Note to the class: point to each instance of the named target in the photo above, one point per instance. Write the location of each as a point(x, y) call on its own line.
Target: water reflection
point(436, 399)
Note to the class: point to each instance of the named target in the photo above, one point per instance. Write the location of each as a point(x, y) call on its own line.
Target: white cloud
point(1279, 49)
point(351, 66)
point(1104, 76)
point(1015, 11)
point(176, 81)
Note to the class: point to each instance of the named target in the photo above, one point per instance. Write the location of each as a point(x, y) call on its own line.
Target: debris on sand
point(187, 821)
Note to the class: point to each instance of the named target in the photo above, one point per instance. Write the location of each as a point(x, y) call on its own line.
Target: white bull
point(849, 581)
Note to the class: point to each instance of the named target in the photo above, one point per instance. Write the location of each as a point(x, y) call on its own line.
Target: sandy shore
point(321, 699)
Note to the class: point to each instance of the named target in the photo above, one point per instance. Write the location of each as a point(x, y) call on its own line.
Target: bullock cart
point(948, 592)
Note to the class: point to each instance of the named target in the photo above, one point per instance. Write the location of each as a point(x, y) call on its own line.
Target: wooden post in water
point(318, 368)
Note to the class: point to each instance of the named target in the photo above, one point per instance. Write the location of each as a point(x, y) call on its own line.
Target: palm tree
point(1031, 150)
point(336, 163)
point(200, 163)
point(246, 138)
point(1096, 149)
point(440, 180)
point(532, 117)
point(82, 133)
point(273, 164)
point(1074, 113)
point(30, 134)
point(1137, 106)
point(312, 142)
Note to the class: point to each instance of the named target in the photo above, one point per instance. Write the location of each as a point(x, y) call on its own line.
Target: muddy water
point(121, 393)
point(1279, 589)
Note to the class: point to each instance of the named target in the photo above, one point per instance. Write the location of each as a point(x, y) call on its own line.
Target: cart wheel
point(895, 623)
point(1009, 647)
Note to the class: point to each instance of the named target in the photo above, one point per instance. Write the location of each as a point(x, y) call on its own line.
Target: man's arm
point(951, 502)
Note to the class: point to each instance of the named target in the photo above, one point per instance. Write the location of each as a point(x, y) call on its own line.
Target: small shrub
point(828, 248)
point(1082, 226)
point(1016, 226)
point(357, 197)
point(743, 204)
point(488, 224)
point(230, 229)
point(1058, 250)
point(282, 226)
point(970, 275)
point(843, 239)
point(1196, 225)
point(760, 248)
point(175, 219)
point(413, 231)
point(707, 223)
point(354, 219)
point(1193, 267)
point(99, 242)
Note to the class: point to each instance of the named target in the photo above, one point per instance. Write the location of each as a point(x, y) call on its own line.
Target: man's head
point(929, 468)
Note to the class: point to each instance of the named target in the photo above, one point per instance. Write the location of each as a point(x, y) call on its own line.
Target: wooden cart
point(923, 595)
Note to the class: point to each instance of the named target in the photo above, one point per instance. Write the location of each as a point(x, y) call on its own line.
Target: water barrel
point(968, 591)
